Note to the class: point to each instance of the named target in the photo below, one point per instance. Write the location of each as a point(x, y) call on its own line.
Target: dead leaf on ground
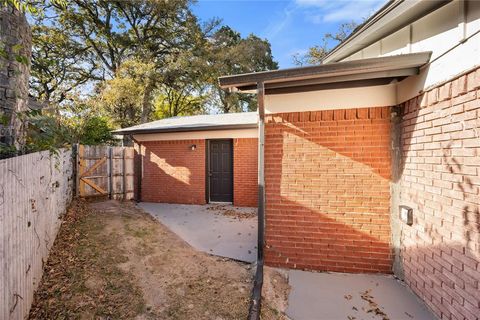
point(120, 263)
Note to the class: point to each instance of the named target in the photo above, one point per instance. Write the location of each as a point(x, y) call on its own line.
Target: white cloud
point(278, 23)
point(297, 52)
point(316, 3)
point(319, 11)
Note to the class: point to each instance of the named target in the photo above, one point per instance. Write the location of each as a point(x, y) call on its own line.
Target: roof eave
point(186, 129)
point(383, 67)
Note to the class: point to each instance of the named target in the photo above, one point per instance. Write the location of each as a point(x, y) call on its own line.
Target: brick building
point(198, 159)
point(367, 163)
point(372, 158)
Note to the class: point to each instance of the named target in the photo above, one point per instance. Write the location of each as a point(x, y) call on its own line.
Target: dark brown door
point(220, 171)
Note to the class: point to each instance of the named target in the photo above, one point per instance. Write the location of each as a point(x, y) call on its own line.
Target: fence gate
point(105, 171)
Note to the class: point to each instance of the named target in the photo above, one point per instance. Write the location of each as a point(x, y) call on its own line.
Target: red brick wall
point(440, 180)
point(245, 174)
point(173, 173)
point(327, 190)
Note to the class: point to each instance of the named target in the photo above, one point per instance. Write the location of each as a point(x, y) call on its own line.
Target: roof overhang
point(393, 16)
point(373, 71)
point(186, 129)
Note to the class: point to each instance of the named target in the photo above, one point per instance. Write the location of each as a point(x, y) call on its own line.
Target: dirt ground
point(274, 294)
point(113, 261)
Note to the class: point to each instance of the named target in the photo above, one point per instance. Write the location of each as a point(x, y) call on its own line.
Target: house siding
point(455, 46)
point(173, 173)
point(245, 179)
point(327, 176)
point(440, 179)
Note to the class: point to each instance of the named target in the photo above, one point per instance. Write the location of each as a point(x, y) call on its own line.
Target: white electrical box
point(406, 215)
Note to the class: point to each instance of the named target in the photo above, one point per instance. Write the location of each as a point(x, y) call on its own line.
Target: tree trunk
point(147, 102)
point(16, 39)
point(225, 101)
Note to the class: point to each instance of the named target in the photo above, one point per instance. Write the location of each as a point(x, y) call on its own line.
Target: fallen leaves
point(117, 262)
point(233, 212)
point(372, 305)
point(371, 308)
point(81, 278)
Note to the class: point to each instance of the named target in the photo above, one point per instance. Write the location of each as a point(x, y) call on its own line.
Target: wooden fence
point(35, 190)
point(105, 171)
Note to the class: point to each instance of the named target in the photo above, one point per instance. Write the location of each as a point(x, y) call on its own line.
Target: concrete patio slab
point(340, 296)
point(207, 227)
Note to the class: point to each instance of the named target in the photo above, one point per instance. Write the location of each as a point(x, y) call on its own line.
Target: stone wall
point(15, 53)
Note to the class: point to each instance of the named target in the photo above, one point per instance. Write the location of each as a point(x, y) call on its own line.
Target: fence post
point(81, 167)
point(124, 175)
point(110, 172)
point(75, 169)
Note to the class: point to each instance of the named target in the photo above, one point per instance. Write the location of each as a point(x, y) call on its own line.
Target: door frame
point(207, 167)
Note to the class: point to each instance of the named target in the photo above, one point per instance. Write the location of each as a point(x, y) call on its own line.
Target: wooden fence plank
point(35, 190)
point(95, 166)
point(95, 186)
point(81, 169)
point(106, 170)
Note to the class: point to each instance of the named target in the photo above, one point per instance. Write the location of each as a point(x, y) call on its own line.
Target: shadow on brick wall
point(439, 174)
point(174, 174)
point(327, 185)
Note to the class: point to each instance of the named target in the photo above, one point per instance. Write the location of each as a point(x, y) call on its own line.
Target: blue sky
point(291, 26)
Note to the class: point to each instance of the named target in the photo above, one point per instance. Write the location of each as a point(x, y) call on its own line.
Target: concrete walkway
point(341, 296)
point(221, 230)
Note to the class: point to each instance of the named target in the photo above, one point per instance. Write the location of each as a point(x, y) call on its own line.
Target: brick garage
point(327, 177)
point(440, 180)
point(245, 172)
point(173, 173)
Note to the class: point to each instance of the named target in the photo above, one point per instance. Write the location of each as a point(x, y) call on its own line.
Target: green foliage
point(60, 65)
point(145, 59)
point(50, 131)
point(229, 53)
point(7, 151)
point(115, 31)
point(46, 132)
point(93, 43)
point(96, 130)
point(3, 52)
point(30, 6)
point(129, 62)
point(16, 50)
point(171, 103)
point(4, 120)
point(23, 6)
point(316, 53)
point(121, 98)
